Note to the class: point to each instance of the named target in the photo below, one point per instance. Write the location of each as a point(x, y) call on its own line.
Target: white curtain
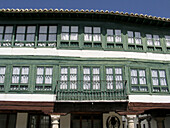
point(110, 38)
point(130, 37)
point(2, 74)
point(142, 79)
point(74, 36)
point(96, 37)
point(118, 36)
point(155, 77)
point(40, 73)
point(64, 36)
point(149, 39)
point(96, 78)
point(87, 37)
point(87, 33)
point(48, 75)
point(167, 38)
point(73, 78)
point(86, 78)
point(109, 78)
point(118, 78)
point(162, 77)
point(63, 78)
point(138, 38)
point(24, 76)
point(15, 75)
point(119, 83)
point(156, 40)
point(134, 79)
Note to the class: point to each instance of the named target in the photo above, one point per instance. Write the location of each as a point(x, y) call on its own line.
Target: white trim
point(83, 53)
point(149, 98)
point(28, 97)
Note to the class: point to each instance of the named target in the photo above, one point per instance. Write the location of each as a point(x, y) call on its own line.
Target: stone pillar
point(159, 121)
point(130, 121)
point(55, 121)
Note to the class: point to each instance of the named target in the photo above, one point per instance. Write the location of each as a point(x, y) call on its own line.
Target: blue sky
point(159, 8)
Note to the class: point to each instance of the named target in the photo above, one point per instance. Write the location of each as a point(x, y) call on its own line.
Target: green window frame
point(69, 36)
point(25, 36)
point(92, 37)
point(167, 40)
point(153, 42)
point(159, 80)
point(138, 80)
point(68, 78)
point(113, 38)
point(91, 78)
point(47, 36)
point(114, 78)
point(6, 34)
point(2, 77)
point(44, 78)
point(134, 40)
point(20, 78)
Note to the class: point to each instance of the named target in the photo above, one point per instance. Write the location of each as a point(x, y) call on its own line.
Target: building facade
point(83, 69)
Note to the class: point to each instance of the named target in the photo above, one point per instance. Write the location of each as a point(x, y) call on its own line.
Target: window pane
point(63, 78)
point(117, 32)
point(65, 29)
point(130, 34)
point(86, 78)
point(21, 29)
point(31, 29)
point(148, 36)
point(110, 38)
point(20, 37)
point(109, 32)
point(2, 74)
point(96, 29)
point(73, 78)
point(52, 37)
point(154, 73)
point(64, 36)
point(52, 29)
point(137, 35)
point(96, 37)
point(30, 37)
point(133, 72)
point(8, 37)
point(87, 29)
point(88, 37)
point(1, 29)
point(162, 73)
point(74, 36)
point(43, 29)
point(42, 37)
point(9, 29)
point(74, 28)
point(1, 36)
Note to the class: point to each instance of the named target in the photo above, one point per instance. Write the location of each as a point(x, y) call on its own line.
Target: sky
point(159, 8)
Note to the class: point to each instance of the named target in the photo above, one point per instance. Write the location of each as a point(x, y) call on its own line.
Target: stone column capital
point(55, 119)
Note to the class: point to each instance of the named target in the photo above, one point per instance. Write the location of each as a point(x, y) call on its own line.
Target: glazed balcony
point(98, 90)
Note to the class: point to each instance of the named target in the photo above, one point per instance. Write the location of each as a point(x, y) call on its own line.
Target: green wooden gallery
point(83, 69)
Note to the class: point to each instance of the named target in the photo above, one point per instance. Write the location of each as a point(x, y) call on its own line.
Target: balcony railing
point(106, 90)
